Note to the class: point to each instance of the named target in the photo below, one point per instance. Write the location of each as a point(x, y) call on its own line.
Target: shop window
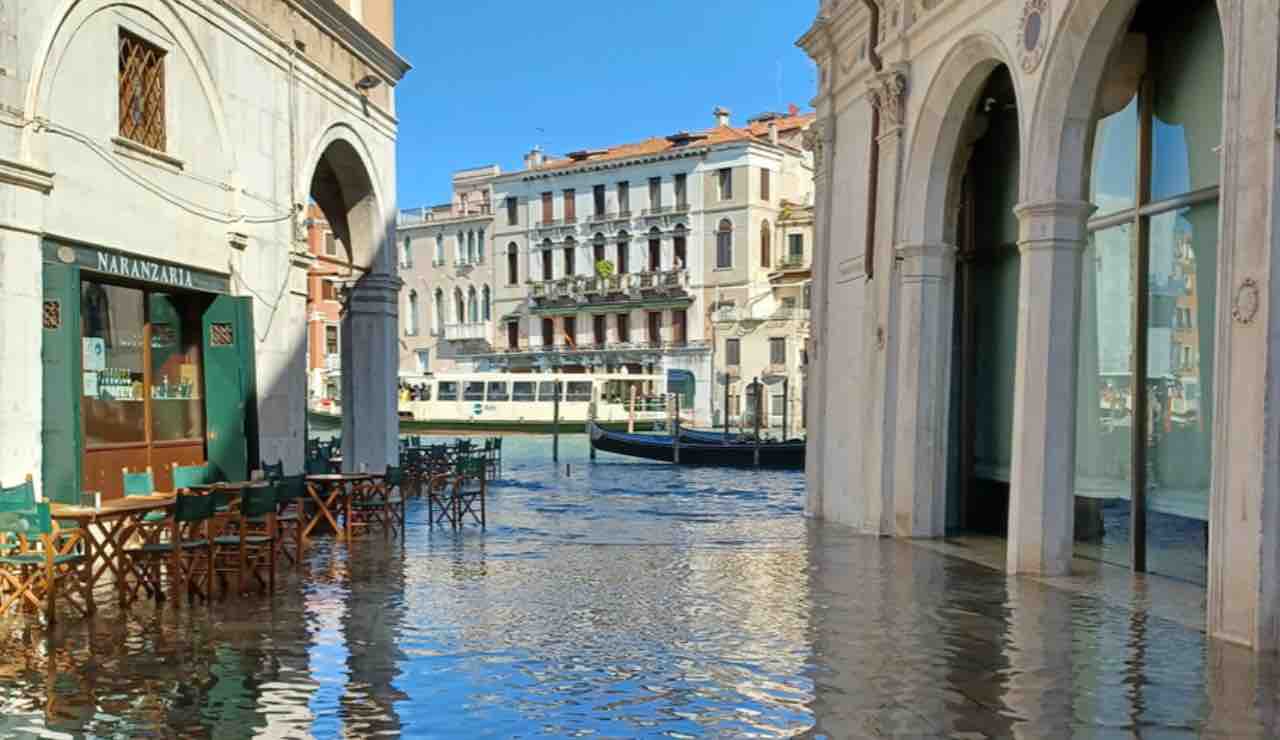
point(177, 408)
point(141, 92)
point(114, 325)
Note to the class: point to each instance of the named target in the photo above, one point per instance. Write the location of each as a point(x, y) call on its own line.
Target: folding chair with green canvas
point(180, 558)
point(36, 558)
point(251, 550)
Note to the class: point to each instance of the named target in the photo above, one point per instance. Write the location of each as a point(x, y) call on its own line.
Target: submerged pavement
point(624, 599)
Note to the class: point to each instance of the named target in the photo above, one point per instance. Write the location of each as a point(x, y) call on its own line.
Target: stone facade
point(907, 114)
point(264, 106)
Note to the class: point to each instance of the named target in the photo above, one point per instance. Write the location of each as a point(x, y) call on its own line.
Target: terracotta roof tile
point(660, 144)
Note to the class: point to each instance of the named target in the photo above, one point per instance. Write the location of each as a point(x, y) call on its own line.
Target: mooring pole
point(759, 409)
point(726, 408)
point(631, 417)
point(591, 417)
point(786, 405)
point(555, 426)
point(675, 430)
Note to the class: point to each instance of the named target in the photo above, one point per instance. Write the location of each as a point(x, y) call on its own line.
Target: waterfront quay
point(627, 599)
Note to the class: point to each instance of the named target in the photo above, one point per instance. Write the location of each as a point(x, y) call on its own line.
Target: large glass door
point(1143, 450)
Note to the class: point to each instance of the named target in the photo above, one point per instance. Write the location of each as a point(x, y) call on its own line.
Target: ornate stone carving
point(889, 94)
point(1033, 34)
point(1245, 303)
point(815, 140)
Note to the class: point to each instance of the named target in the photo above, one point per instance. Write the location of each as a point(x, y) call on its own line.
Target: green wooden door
point(60, 435)
point(230, 403)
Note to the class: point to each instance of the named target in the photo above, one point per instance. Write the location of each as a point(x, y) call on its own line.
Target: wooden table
point(331, 493)
point(117, 521)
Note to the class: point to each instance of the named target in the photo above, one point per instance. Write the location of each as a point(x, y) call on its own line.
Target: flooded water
point(625, 599)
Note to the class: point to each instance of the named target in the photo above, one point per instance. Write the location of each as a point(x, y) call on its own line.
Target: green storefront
point(147, 364)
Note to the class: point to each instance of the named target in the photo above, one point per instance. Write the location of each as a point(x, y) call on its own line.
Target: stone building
point(612, 260)
point(157, 158)
point(1045, 248)
point(448, 270)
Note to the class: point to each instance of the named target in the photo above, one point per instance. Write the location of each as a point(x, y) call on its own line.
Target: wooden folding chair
point(291, 494)
point(35, 558)
point(143, 484)
point(246, 547)
point(182, 555)
point(472, 485)
point(441, 508)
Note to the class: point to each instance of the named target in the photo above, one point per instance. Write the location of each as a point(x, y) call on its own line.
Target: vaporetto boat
point(522, 402)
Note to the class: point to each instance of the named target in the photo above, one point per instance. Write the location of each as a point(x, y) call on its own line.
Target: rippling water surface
point(624, 599)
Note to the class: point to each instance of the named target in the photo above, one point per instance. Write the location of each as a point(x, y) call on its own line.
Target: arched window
point(655, 249)
point(766, 244)
point(480, 246)
point(459, 308)
point(724, 245)
point(473, 306)
point(439, 249)
point(570, 257)
point(486, 306)
point(513, 264)
point(624, 249)
point(681, 249)
point(411, 321)
point(437, 311)
point(459, 248)
point(471, 247)
point(548, 273)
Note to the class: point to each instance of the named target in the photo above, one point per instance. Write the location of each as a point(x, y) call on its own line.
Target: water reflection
point(630, 599)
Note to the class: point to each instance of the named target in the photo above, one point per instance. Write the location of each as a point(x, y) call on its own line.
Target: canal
point(625, 599)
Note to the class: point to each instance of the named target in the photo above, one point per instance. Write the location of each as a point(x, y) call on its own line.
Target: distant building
point(612, 260)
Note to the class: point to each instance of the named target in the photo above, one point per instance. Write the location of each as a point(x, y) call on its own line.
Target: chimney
point(773, 131)
point(533, 160)
point(722, 116)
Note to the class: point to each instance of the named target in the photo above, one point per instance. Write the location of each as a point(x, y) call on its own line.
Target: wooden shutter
point(548, 209)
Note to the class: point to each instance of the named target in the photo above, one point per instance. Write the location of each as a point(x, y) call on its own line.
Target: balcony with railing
point(791, 265)
point(468, 331)
point(333, 362)
point(590, 353)
point(577, 291)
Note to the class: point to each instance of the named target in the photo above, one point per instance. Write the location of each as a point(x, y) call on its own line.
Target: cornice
point(25, 176)
point(329, 15)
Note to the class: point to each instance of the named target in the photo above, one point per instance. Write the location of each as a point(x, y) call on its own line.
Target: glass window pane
point(177, 409)
point(113, 402)
point(1186, 65)
point(448, 391)
point(497, 391)
point(1180, 334)
point(473, 390)
point(546, 391)
point(1104, 414)
point(522, 391)
point(579, 391)
point(1115, 160)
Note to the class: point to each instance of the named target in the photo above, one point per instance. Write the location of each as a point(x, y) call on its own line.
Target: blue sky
point(492, 78)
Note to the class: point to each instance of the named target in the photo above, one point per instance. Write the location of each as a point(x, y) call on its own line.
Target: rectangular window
point(655, 328)
point(548, 207)
point(524, 391)
point(597, 194)
point(497, 392)
point(733, 352)
point(330, 244)
point(776, 405)
point(764, 184)
point(578, 391)
point(600, 329)
point(655, 194)
point(513, 211)
point(624, 198)
point(331, 340)
point(473, 390)
point(778, 351)
point(547, 269)
point(680, 325)
point(655, 255)
point(513, 335)
point(327, 291)
point(725, 179)
point(795, 248)
point(682, 191)
point(724, 249)
point(424, 361)
point(571, 331)
point(570, 263)
point(548, 333)
point(624, 328)
point(448, 391)
point(624, 247)
point(547, 390)
point(570, 206)
point(141, 92)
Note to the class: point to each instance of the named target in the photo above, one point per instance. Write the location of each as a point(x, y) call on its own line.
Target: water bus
point(520, 402)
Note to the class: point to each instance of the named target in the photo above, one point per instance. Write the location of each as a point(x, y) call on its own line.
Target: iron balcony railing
point(595, 349)
point(581, 288)
point(460, 332)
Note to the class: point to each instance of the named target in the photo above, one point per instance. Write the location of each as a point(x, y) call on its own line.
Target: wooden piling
point(555, 426)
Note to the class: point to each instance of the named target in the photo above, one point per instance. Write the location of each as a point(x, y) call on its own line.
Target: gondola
point(789, 455)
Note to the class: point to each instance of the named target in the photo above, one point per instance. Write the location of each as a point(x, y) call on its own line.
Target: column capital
point(375, 294)
point(1053, 224)
point(888, 93)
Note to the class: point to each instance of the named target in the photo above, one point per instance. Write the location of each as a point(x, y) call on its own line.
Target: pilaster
point(926, 275)
point(1042, 481)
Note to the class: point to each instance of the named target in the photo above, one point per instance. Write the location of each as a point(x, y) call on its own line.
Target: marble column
point(370, 351)
point(1051, 240)
point(925, 311)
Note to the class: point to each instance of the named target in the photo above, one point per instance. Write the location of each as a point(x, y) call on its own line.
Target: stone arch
point(931, 186)
point(1061, 134)
point(341, 177)
point(71, 15)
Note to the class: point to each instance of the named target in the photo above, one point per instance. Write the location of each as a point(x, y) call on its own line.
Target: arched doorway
point(985, 320)
point(1145, 375)
point(343, 188)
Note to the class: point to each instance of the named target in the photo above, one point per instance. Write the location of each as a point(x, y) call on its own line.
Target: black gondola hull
point(788, 455)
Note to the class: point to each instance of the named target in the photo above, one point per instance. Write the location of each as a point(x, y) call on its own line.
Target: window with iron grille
point(52, 315)
point(221, 335)
point(141, 91)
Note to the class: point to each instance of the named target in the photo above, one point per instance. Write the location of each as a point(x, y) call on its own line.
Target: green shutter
point(60, 353)
point(230, 402)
